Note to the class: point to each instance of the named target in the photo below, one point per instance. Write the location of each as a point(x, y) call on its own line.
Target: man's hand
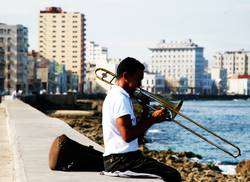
point(161, 115)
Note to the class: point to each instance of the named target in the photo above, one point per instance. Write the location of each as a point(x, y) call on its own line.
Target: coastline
point(89, 124)
point(187, 163)
point(207, 97)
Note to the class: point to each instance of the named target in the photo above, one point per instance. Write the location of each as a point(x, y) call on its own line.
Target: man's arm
point(130, 132)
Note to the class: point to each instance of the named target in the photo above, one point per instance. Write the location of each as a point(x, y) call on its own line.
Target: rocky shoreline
point(191, 171)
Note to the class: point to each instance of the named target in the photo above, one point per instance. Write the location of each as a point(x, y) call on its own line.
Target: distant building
point(236, 62)
point(2, 69)
point(62, 38)
point(34, 84)
point(96, 56)
point(239, 85)
point(208, 85)
point(95, 53)
point(61, 79)
point(14, 56)
point(72, 81)
point(153, 83)
point(46, 73)
point(182, 64)
point(219, 75)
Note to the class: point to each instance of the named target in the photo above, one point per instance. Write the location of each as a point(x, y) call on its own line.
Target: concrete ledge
point(31, 134)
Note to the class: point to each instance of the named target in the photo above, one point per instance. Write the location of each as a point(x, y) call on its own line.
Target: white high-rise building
point(182, 64)
point(96, 56)
point(14, 55)
point(236, 62)
point(62, 38)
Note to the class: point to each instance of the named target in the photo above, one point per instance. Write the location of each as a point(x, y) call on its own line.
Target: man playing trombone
point(121, 130)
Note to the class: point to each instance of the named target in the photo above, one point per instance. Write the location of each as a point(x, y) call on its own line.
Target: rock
point(243, 168)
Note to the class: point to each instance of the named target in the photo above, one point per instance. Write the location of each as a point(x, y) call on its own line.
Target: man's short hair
point(129, 65)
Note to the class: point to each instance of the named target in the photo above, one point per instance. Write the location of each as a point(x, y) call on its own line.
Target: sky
point(130, 27)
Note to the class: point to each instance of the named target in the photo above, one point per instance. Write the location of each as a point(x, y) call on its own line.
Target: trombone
point(174, 108)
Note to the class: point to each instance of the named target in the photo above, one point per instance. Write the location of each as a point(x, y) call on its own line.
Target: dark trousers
point(137, 162)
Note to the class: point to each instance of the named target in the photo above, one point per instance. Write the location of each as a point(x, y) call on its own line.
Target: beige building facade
point(240, 86)
point(236, 62)
point(62, 38)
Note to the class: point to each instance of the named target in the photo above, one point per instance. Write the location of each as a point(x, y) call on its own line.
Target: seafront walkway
point(25, 138)
point(6, 156)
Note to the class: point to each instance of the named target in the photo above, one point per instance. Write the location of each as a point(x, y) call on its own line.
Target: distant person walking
point(121, 130)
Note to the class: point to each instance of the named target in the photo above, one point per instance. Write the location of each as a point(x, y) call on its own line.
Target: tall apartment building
point(14, 56)
point(182, 64)
point(96, 56)
point(236, 62)
point(62, 38)
point(2, 68)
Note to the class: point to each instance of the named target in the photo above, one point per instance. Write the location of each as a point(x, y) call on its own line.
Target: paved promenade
point(30, 135)
point(6, 160)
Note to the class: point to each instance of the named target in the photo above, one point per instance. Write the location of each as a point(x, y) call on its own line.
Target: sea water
point(229, 119)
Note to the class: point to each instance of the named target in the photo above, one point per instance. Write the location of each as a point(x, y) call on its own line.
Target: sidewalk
point(31, 134)
point(6, 160)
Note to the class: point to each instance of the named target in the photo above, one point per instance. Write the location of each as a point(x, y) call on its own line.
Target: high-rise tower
point(62, 38)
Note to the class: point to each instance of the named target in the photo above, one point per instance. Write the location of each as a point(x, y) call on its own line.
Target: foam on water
point(153, 130)
point(228, 169)
point(229, 119)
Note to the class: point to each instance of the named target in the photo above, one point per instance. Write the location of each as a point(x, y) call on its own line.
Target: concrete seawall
point(31, 133)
